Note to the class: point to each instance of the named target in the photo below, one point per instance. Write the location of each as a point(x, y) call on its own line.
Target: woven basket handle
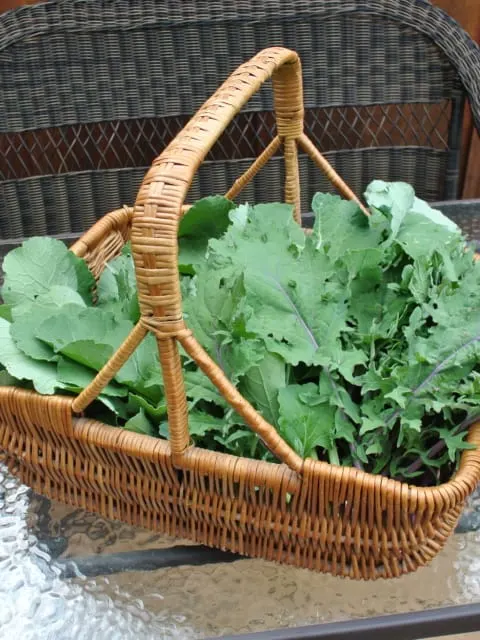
point(164, 188)
point(155, 224)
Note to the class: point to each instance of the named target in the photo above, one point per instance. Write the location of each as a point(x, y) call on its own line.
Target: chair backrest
point(92, 90)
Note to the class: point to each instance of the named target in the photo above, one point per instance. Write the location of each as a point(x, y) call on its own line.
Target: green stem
point(440, 445)
point(333, 456)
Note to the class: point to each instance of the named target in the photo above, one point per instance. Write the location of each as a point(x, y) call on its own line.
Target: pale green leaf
point(305, 427)
point(200, 423)
point(399, 395)
point(117, 288)
point(88, 336)
point(39, 264)
point(343, 232)
point(28, 316)
point(43, 375)
point(291, 313)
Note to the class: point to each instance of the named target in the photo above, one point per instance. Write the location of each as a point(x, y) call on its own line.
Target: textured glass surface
point(188, 602)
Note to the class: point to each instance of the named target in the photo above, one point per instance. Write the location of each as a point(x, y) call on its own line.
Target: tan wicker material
point(301, 512)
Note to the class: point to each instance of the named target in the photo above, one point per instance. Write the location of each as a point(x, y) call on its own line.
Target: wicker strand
point(292, 178)
point(119, 219)
point(323, 164)
point(175, 397)
point(289, 114)
point(254, 168)
point(107, 372)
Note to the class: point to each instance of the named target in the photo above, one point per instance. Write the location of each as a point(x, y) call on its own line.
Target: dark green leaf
point(140, 424)
point(207, 218)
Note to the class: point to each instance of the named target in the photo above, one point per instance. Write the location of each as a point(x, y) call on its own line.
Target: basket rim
point(144, 447)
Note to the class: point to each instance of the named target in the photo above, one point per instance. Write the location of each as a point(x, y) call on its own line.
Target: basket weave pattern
point(302, 512)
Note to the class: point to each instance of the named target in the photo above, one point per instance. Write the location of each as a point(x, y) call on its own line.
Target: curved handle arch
point(159, 202)
point(155, 225)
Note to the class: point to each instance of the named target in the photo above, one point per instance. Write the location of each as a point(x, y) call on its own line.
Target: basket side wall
point(327, 521)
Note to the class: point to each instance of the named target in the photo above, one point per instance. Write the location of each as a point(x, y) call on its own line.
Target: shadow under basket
point(300, 512)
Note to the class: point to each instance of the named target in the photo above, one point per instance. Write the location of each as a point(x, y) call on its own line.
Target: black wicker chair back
point(92, 90)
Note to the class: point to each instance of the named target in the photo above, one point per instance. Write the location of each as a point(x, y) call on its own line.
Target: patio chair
point(92, 90)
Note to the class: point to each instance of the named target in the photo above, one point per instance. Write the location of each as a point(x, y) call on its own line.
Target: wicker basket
point(301, 512)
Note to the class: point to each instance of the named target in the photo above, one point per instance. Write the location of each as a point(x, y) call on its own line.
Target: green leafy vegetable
point(39, 264)
point(262, 383)
point(41, 374)
point(206, 219)
point(117, 290)
point(140, 424)
point(305, 426)
point(359, 342)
